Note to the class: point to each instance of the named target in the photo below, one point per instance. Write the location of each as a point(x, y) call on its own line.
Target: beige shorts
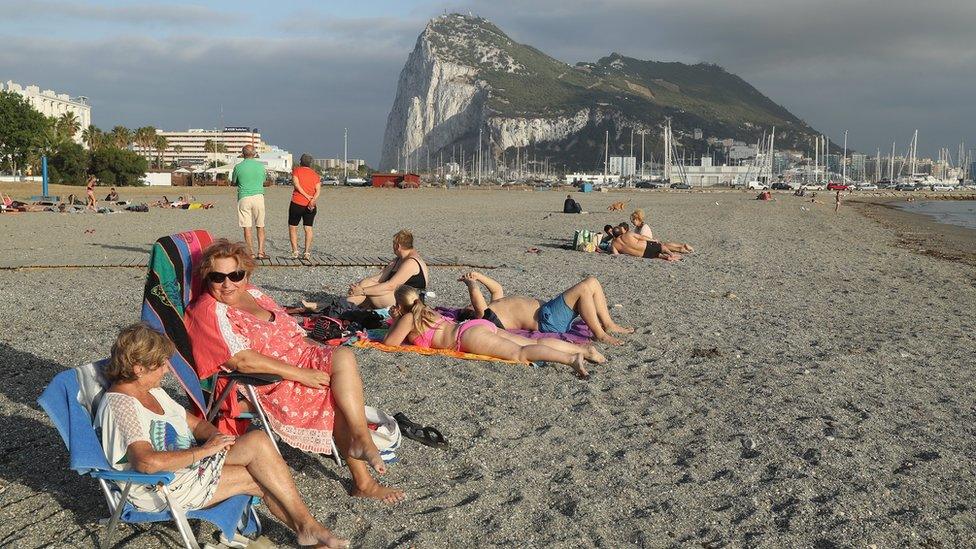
point(250, 210)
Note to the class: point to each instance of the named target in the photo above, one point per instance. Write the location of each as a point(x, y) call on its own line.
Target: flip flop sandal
point(428, 436)
point(262, 256)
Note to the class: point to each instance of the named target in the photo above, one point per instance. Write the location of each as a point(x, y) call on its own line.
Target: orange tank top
point(307, 180)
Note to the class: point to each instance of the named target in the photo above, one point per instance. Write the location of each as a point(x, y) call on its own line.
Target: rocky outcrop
point(465, 75)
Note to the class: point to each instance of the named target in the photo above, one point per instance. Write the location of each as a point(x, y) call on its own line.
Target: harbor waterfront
point(790, 384)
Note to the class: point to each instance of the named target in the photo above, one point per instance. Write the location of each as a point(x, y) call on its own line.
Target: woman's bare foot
point(387, 495)
point(310, 306)
point(578, 366)
point(618, 329)
point(610, 340)
point(320, 536)
point(363, 449)
point(672, 257)
point(688, 249)
point(594, 355)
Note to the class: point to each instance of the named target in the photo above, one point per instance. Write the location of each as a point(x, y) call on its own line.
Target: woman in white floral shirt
point(142, 428)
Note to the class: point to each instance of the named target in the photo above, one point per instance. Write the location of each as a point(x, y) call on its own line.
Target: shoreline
point(919, 232)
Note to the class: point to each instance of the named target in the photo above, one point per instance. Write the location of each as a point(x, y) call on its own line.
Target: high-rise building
point(188, 147)
point(54, 104)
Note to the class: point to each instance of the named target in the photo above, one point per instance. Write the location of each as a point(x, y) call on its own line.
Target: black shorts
point(652, 250)
point(298, 213)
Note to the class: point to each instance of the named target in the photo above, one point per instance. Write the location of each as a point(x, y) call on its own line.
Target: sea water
point(950, 212)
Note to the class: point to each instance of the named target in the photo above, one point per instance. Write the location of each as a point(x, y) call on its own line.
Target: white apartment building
point(705, 174)
point(353, 164)
point(51, 103)
point(191, 142)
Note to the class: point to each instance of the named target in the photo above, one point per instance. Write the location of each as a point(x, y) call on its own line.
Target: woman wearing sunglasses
point(235, 326)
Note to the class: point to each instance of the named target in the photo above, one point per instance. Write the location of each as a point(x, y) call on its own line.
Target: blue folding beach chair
point(70, 400)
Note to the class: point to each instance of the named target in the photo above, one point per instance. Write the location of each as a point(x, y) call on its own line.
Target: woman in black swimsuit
point(376, 292)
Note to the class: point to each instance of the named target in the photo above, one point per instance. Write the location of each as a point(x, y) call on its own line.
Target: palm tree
point(161, 145)
point(93, 137)
point(145, 138)
point(68, 125)
point(121, 136)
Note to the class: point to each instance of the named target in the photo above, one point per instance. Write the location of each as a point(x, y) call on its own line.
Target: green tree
point(22, 131)
point(67, 126)
point(93, 137)
point(68, 164)
point(145, 139)
point(121, 137)
point(160, 145)
point(114, 166)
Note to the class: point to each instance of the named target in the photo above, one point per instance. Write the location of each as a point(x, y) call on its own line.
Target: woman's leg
point(293, 238)
point(254, 467)
point(308, 239)
point(365, 485)
point(589, 352)
point(347, 391)
point(483, 341)
point(599, 298)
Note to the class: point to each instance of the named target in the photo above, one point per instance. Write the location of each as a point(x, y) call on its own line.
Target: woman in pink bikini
point(420, 325)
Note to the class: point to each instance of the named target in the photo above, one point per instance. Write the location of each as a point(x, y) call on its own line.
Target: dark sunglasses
point(218, 278)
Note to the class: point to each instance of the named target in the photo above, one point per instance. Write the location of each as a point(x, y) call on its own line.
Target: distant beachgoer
point(422, 326)
point(606, 238)
point(112, 196)
point(585, 299)
point(249, 176)
point(90, 192)
point(571, 206)
point(303, 205)
point(629, 243)
point(376, 292)
point(837, 202)
point(641, 228)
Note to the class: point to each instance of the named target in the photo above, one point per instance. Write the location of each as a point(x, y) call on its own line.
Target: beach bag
point(324, 328)
point(385, 432)
point(585, 241)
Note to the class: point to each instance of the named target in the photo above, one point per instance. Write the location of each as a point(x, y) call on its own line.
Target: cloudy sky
point(301, 71)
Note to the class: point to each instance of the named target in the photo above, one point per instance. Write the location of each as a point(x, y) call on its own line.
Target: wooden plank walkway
point(141, 261)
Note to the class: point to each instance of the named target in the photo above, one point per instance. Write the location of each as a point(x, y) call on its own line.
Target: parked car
point(782, 186)
point(812, 187)
point(683, 186)
point(330, 181)
point(648, 185)
point(867, 187)
point(835, 186)
point(942, 187)
point(906, 187)
point(356, 182)
point(757, 186)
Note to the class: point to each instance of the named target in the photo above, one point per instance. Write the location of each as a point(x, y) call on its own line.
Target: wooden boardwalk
point(141, 261)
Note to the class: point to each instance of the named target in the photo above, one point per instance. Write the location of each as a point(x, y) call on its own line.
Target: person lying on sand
point(606, 238)
point(556, 316)
point(629, 243)
point(376, 292)
point(420, 325)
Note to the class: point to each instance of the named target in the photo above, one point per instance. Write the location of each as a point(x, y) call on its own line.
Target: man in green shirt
point(249, 176)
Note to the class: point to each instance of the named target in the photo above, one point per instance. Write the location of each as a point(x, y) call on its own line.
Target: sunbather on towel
point(420, 325)
point(143, 429)
point(234, 326)
point(376, 292)
point(627, 242)
point(585, 299)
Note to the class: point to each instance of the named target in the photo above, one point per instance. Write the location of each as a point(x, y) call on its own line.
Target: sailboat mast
point(843, 176)
point(606, 156)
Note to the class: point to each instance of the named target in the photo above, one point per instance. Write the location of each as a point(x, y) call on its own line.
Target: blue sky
point(301, 71)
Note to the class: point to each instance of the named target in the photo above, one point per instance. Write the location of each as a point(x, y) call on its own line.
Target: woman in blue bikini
point(422, 326)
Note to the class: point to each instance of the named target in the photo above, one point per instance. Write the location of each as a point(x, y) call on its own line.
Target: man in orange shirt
point(303, 205)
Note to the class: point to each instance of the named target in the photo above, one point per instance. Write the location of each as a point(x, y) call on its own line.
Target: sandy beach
point(805, 379)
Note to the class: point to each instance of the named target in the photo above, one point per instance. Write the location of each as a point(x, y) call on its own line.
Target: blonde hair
point(140, 345)
point(404, 238)
point(222, 249)
point(637, 217)
point(408, 300)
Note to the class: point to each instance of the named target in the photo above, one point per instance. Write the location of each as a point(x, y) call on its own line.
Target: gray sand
point(800, 381)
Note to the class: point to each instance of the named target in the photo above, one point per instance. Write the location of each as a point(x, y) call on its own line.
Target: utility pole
point(479, 156)
point(606, 156)
point(345, 155)
point(642, 132)
point(843, 176)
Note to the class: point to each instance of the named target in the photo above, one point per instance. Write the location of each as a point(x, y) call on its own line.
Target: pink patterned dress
point(302, 416)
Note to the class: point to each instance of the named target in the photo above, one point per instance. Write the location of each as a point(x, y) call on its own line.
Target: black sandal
point(428, 436)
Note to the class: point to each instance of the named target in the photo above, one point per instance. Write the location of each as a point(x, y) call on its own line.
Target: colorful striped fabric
point(169, 289)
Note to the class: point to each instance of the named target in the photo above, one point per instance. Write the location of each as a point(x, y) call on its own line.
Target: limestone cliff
point(466, 75)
